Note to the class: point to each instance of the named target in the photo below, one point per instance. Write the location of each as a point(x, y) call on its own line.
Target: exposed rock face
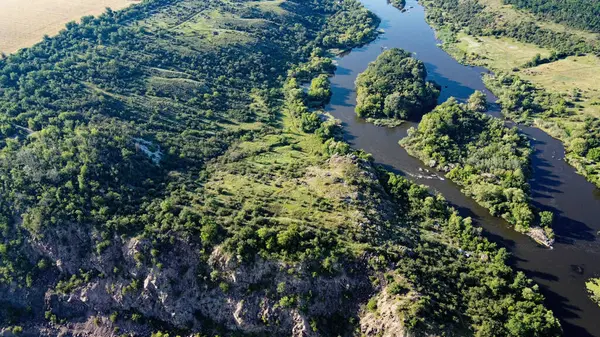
point(175, 294)
point(386, 321)
point(539, 235)
point(189, 287)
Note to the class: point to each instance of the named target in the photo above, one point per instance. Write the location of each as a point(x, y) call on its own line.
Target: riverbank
point(488, 159)
point(555, 184)
point(564, 91)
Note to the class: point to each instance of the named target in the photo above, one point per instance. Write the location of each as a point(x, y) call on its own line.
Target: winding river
point(562, 271)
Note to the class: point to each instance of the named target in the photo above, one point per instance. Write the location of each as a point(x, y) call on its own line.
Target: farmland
point(23, 23)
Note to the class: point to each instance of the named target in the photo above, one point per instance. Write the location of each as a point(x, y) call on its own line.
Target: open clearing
point(580, 73)
point(23, 23)
point(499, 53)
point(508, 13)
point(576, 76)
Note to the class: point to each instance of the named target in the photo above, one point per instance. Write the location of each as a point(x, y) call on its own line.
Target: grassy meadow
point(497, 53)
point(575, 77)
point(507, 13)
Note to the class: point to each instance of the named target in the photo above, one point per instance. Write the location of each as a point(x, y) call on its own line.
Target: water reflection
point(555, 185)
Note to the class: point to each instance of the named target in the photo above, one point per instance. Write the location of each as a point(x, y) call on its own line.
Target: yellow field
point(580, 73)
point(498, 53)
point(23, 23)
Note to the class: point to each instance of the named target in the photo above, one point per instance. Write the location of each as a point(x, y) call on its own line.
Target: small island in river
point(490, 161)
point(400, 4)
point(395, 87)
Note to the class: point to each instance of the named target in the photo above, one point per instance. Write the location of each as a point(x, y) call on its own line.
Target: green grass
point(271, 6)
point(565, 76)
point(562, 77)
point(508, 13)
point(287, 176)
point(213, 27)
point(497, 53)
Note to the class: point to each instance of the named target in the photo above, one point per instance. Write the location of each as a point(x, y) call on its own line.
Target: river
point(561, 272)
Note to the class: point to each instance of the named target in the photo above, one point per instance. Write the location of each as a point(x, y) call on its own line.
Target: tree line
point(584, 14)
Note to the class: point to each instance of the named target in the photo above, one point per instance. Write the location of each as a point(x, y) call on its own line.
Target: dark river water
point(562, 271)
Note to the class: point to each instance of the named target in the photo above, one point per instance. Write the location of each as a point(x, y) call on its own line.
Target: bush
point(372, 304)
point(546, 218)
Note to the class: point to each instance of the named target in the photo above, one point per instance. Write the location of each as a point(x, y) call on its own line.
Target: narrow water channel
point(562, 271)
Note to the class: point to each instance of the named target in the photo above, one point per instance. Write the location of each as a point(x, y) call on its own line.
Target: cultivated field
point(23, 23)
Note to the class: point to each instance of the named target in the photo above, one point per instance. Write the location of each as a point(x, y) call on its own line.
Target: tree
point(593, 287)
point(309, 122)
point(395, 86)
point(578, 146)
point(594, 154)
point(320, 90)
point(490, 160)
point(477, 102)
point(546, 218)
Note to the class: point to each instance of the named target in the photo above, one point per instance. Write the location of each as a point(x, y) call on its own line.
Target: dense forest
point(167, 170)
point(395, 86)
point(583, 14)
point(489, 160)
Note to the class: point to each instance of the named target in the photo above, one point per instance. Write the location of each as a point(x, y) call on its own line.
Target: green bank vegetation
point(434, 215)
point(426, 241)
point(581, 14)
point(488, 159)
point(486, 18)
point(186, 124)
point(522, 101)
point(593, 287)
point(398, 3)
point(545, 58)
point(556, 89)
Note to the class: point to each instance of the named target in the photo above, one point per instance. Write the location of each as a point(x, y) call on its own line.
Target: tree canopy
point(489, 159)
point(156, 146)
point(395, 86)
point(584, 14)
